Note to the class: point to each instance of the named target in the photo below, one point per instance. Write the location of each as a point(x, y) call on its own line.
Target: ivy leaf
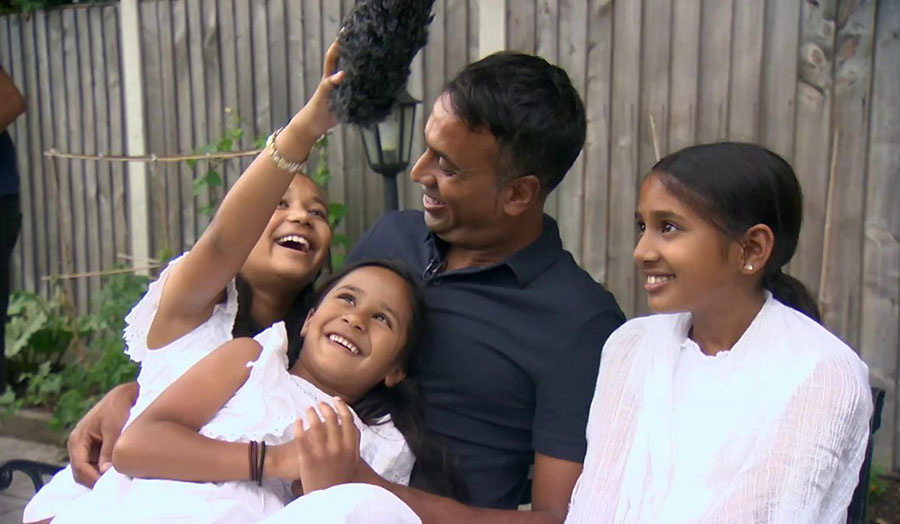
point(336, 213)
point(213, 178)
point(224, 145)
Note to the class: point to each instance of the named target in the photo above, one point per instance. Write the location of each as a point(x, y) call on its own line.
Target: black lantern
point(388, 145)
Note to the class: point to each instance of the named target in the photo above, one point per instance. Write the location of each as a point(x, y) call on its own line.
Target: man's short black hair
point(530, 106)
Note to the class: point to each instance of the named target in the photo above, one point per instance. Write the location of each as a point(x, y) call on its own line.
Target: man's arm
point(13, 103)
point(552, 486)
point(91, 443)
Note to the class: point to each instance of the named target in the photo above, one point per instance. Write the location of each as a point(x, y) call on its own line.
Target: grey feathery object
point(378, 41)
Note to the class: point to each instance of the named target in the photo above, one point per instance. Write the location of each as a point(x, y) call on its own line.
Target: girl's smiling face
point(688, 264)
point(355, 337)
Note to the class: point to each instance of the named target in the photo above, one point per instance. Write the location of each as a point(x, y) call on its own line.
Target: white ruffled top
point(772, 431)
point(162, 366)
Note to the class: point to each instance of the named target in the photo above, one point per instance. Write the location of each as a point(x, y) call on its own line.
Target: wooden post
point(136, 143)
point(491, 27)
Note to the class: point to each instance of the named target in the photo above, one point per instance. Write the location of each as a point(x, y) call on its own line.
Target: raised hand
point(328, 449)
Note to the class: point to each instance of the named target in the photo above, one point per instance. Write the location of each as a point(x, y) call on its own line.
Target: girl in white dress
point(253, 266)
point(225, 431)
point(733, 404)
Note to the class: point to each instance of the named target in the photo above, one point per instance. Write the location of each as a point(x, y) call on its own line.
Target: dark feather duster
point(378, 41)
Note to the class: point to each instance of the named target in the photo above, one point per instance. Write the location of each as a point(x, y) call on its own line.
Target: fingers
point(84, 469)
point(349, 432)
point(331, 60)
point(104, 461)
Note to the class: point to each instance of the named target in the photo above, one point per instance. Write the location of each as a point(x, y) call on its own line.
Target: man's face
point(459, 175)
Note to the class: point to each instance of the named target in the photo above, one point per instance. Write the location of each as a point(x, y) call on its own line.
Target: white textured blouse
point(772, 431)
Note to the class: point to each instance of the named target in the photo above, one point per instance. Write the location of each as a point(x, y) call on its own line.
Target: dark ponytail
point(403, 402)
point(737, 186)
point(788, 290)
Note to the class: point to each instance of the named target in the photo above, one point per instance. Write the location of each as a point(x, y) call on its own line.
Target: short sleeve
point(139, 319)
point(565, 389)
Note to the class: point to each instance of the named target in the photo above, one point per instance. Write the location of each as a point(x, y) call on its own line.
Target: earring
point(749, 267)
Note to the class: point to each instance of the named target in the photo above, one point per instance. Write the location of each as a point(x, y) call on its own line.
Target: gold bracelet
point(280, 162)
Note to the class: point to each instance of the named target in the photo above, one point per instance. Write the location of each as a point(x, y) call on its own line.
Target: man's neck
point(517, 238)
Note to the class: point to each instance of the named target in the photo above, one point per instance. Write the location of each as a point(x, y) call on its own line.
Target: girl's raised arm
point(197, 283)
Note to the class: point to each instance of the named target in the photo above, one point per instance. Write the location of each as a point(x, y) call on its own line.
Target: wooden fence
point(814, 81)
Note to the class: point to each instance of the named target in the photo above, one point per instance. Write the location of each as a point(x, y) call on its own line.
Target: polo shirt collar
point(526, 264)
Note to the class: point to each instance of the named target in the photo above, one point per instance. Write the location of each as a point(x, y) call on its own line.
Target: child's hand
point(316, 118)
point(328, 451)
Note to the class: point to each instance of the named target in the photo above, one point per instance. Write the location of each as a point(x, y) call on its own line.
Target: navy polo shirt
point(511, 356)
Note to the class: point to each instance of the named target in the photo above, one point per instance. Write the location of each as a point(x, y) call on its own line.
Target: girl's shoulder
point(212, 333)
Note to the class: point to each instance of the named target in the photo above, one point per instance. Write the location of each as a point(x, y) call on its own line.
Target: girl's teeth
point(654, 279)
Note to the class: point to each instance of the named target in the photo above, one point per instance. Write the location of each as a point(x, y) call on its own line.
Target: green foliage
point(212, 178)
point(66, 362)
point(23, 6)
point(337, 211)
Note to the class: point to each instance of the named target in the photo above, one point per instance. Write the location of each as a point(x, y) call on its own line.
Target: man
point(515, 326)
point(12, 104)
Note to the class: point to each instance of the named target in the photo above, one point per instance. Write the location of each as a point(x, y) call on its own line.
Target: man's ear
point(520, 193)
point(395, 376)
point(305, 327)
point(757, 243)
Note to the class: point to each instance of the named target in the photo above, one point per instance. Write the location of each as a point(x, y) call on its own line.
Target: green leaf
point(213, 178)
point(337, 260)
point(340, 239)
point(191, 163)
point(207, 210)
point(336, 213)
point(23, 337)
point(225, 145)
point(260, 142)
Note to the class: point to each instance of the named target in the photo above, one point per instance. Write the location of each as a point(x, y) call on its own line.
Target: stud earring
point(749, 267)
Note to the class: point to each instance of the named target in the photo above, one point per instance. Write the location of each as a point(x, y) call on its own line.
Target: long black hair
point(736, 186)
point(246, 326)
point(403, 402)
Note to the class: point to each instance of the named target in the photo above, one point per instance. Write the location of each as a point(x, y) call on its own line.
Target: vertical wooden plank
point(156, 129)
point(779, 83)
point(597, 147)
point(231, 77)
point(75, 176)
point(35, 173)
point(492, 29)
point(520, 21)
point(626, 75)
point(132, 72)
point(746, 70)
point(685, 52)
point(184, 125)
point(168, 118)
point(573, 27)
point(47, 37)
point(813, 133)
point(474, 28)
point(101, 108)
point(850, 113)
point(212, 73)
point(457, 45)
point(715, 69)
point(261, 51)
point(278, 62)
point(297, 94)
point(199, 97)
point(245, 89)
point(880, 317)
point(341, 188)
point(654, 93)
point(23, 254)
point(122, 214)
point(89, 146)
point(547, 46)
